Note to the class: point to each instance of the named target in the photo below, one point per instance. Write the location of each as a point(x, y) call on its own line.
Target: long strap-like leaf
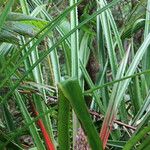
point(72, 91)
point(5, 12)
point(63, 122)
point(134, 139)
point(48, 141)
point(47, 138)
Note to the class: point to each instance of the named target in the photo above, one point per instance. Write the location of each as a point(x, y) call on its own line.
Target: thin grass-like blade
point(117, 95)
point(146, 60)
point(111, 111)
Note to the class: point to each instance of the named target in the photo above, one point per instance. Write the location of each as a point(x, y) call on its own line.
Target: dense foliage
point(74, 74)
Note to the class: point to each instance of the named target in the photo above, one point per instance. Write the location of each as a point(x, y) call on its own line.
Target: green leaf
point(5, 13)
point(72, 91)
point(63, 122)
point(27, 118)
point(113, 3)
point(134, 139)
point(12, 16)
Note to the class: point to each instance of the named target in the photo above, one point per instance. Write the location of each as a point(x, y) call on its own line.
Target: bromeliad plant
point(70, 65)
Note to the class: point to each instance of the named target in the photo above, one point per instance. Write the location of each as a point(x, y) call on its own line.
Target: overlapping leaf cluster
point(66, 60)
